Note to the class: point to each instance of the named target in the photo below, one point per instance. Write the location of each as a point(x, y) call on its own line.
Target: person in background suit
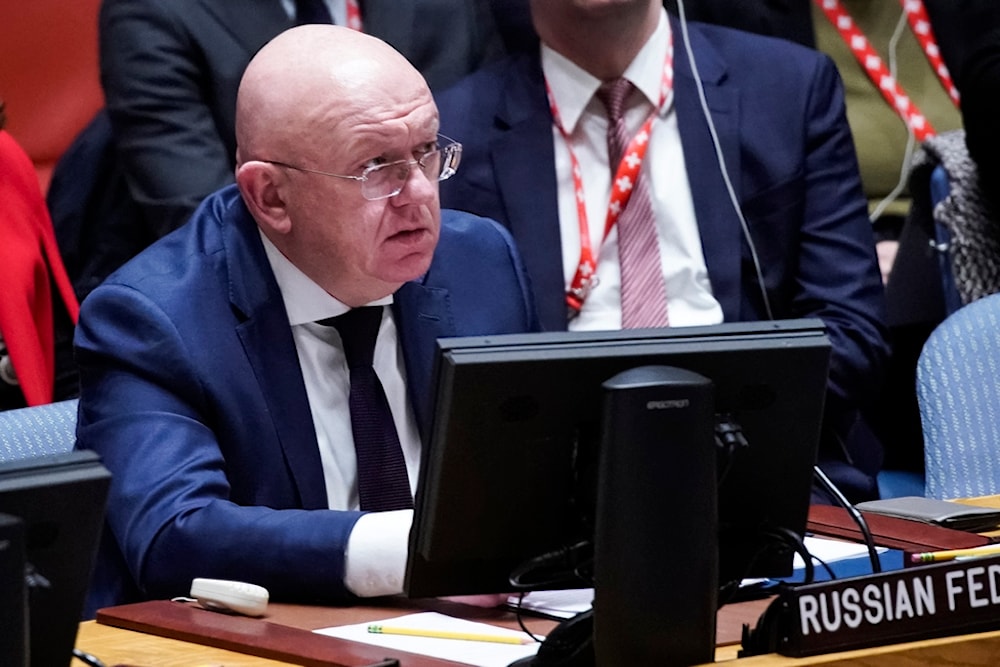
point(38, 309)
point(795, 243)
point(170, 72)
point(910, 269)
point(979, 81)
point(212, 384)
point(881, 135)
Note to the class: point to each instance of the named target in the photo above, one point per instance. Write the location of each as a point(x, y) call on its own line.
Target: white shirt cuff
point(375, 558)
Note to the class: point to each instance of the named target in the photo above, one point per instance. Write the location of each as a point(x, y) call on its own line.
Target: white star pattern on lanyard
point(624, 184)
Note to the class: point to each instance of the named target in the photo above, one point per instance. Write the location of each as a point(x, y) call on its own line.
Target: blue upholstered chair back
point(38, 430)
point(958, 391)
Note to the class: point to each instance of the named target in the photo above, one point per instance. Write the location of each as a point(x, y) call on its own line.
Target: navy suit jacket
point(192, 394)
point(779, 112)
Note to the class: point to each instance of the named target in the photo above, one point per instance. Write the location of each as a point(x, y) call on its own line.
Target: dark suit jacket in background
point(779, 112)
point(792, 19)
point(170, 70)
point(191, 392)
point(966, 31)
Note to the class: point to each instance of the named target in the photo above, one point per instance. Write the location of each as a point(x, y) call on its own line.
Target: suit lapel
point(251, 22)
point(424, 314)
point(718, 225)
point(524, 161)
point(270, 349)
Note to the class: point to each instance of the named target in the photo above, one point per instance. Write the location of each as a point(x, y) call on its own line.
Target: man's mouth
point(409, 235)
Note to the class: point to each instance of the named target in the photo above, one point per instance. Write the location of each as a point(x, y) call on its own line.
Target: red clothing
point(29, 265)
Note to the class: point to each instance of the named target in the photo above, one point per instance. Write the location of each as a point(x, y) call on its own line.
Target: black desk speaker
point(656, 536)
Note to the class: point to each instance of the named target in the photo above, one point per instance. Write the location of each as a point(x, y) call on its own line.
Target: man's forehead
point(419, 125)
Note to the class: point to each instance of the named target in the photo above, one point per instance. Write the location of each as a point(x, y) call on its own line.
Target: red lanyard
point(876, 68)
point(353, 15)
point(625, 177)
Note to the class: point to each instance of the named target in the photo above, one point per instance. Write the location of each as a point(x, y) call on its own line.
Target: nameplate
point(923, 602)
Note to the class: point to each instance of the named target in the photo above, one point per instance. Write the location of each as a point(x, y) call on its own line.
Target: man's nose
point(417, 185)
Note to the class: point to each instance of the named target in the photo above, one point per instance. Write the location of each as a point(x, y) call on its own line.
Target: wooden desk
point(984, 501)
point(137, 634)
point(981, 501)
point(116, 646)
point(970, 650)
point(125, 647)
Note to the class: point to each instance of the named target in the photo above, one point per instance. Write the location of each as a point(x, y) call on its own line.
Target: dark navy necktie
point(382, 480)
point(312, 11)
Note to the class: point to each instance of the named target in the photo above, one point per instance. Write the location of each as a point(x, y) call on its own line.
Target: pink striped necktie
point(643, 290)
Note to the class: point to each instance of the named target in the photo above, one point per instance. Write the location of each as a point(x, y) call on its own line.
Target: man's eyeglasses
point(382, 181)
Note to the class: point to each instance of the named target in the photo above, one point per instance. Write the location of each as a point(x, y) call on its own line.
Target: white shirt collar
point(305, 301)
point(573, 88)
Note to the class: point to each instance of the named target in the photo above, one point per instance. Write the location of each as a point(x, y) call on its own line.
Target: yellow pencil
point(448, 634)
point(940, 556)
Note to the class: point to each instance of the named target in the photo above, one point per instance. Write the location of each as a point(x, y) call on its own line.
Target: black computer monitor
point(59, 502)
point(510, 470)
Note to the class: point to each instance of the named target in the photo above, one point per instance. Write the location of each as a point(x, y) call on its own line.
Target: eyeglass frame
point(451, 156)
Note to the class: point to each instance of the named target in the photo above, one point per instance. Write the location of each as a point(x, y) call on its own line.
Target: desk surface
point(124, 647)
point(116, 646)
point(970, 650)
point(179, 629)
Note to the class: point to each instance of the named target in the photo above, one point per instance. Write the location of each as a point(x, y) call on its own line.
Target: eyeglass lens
point(388, 180)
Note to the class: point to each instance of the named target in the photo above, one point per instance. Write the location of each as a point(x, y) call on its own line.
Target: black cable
point(808, 558)
point(520, 619)
point(729, 441)
point(566, 567)
point(828, 484)
point(730, 591)
point(791, 538)
point(826, 567)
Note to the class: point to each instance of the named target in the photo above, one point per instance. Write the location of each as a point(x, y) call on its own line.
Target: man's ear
point(262, 187)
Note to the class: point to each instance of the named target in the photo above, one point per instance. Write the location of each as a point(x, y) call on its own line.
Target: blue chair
point(940, 188)
point(900, 483)
point(959, 398)
point(38, 430)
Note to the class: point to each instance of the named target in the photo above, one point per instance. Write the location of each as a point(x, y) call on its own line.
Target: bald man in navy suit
point(212, 384)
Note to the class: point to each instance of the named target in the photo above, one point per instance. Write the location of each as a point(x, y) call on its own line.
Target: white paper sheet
point(830, 551)
point(477, 653)
point(557, 604)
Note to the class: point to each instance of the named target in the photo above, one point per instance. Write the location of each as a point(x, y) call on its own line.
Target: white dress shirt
point(689, 292)
point(377, 548)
